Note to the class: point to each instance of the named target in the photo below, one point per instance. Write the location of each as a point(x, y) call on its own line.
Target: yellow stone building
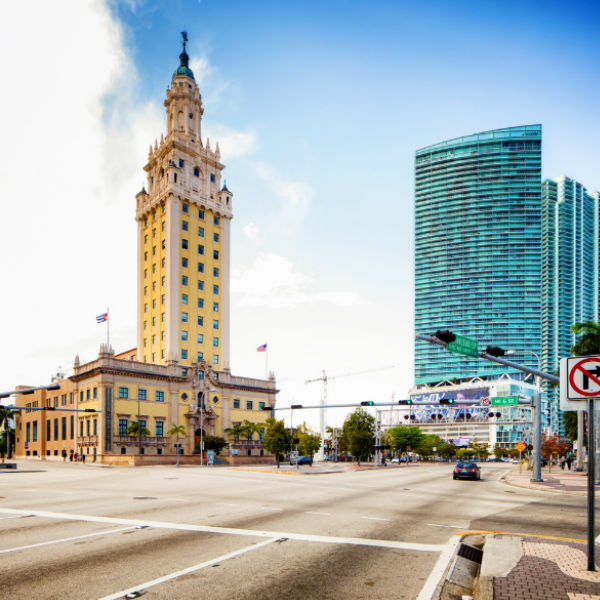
point(179, 374)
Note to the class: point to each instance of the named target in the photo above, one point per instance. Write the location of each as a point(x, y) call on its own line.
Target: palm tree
point(134, 429)
point(177, 430)
point(587, 344)
point(5, 417)
point(235, 431)
point(250, 428)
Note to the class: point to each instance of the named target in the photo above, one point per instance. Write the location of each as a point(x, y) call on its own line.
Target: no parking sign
point(579, 380)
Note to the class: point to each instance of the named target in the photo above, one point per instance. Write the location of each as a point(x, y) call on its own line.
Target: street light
point(202, 424)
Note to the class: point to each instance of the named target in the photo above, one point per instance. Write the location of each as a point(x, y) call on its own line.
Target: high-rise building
point(183, 239)
point(570, 281)
point(477, 249)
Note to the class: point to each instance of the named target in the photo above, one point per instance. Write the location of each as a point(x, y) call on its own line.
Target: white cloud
point(233, 144)
point(252, 232)
point(272, 281)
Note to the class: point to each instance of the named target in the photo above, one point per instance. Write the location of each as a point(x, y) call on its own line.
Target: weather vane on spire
point(185, 39)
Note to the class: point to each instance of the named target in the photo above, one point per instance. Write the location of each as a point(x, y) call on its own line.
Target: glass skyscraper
point(478, 260)
point(570, 284)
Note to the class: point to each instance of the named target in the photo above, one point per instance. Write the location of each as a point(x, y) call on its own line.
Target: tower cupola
point(184, 60)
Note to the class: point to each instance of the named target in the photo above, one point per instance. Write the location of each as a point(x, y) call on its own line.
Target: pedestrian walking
point(75, 456)
point(569, 461)
point(83, 458)
point(64, 455)
point(71, 456)
point(563, 461)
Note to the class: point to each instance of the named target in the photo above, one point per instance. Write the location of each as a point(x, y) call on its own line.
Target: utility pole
point(377, 438)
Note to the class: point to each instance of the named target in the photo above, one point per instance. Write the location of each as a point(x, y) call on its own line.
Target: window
point(160, 396)
point(200, 231)
point(162, 300)
point(215, 289)
point(48, 431)
point(184, 280)
point(196, 172)
point(123, 450)
point(181, 163)
point(184, 354)
point(236, 403)
point(200, 303)
point(184, 335)
point(154, 286)
point(215, 271)
point(212, 177)
point(55, 430)
point(72, 427)
point(184, 262)
point(159, 429)
point(261, 405)
point(154, 267)
point(249, 405)
point(94, 393)
point(185, 208)
point(200, 249)
point(153, 321)
point(200, 357)
point(184, 244)
point(200, 284)
point(216, 220)
point(216, 342)
point(63, 428)
point(145, 255)
point(142, 427)
point(162, 336)
point(216, 254)
point(201, 338)
point(162, 280)
point(142, 394)
point(123, 392)
point(81, 427)
point(200, 267)
point(215, 359)
point(184, 317)
point(215, 306)
point(215, 324)
point(184, 298)
point(201, 321)
point(145, 290)
point(201, 214)
point(154, 232)
point(146, 273)
point(28, 432)
point(184, 225)
point(162, 316)
point(145, 239)
point(153, 303)
point(153, 250)
point(81, 396)
point(216, 237)
point(162, 244)
point(162, 263)
point(145, 307)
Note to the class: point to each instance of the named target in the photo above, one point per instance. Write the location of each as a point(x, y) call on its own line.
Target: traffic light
point(447, 401)
point(530, 447)
point(367, 403)
point(404, 401)
point(495, 351)
point(296, 406)
point(266, 407)
point(445, 336)
point(89, 410)
point(494, 414)
point(49, 408)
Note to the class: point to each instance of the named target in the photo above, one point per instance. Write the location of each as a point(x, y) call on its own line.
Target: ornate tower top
point(184, 60)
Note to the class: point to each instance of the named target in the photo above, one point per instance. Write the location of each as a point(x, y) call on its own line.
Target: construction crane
point(324, 378)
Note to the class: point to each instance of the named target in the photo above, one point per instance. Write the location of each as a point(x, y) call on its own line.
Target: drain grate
point(470, 553)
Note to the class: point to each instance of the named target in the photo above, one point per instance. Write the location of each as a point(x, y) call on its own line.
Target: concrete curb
point(541, 488)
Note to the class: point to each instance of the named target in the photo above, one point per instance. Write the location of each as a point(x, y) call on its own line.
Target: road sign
point(484, 401)
point(464, 345)
point(520, 446)
point(210, 457)
point(579, 380)
point(505, 400)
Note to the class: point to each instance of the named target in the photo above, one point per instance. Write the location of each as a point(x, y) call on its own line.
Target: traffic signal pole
point(537, 402)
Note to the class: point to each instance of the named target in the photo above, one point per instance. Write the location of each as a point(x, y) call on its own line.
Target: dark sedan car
point(466, 470)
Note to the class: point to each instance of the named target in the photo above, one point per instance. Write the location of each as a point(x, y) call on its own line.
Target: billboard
point(456, 395)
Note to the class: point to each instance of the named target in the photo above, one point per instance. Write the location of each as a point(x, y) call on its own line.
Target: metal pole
point(377, 438)
point(580, 433)
point(139, 429)
point(537, 437)
point(8, 454)
point(591, 515)
point(202, 432)
point(177, 449)
point(597, 447)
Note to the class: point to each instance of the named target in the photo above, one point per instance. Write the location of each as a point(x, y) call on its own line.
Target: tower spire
point(184, 59)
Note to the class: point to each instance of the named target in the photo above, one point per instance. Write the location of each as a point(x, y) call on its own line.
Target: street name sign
point(579, 380)
point(464, 345)
point(505, 400)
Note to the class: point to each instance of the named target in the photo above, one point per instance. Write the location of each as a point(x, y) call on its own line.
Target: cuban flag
point(262, 348)
point(101, 318)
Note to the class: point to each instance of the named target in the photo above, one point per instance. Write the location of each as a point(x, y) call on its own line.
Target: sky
point(319, 108)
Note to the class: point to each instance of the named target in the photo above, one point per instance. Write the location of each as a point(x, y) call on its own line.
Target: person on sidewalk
point(83, 458)
point(569, 461)
point(563, 461)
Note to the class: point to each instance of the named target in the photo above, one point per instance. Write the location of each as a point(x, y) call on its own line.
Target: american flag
point(101, 318)
point(262, 348)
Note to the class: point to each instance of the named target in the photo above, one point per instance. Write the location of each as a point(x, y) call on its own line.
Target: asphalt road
point(83, 531)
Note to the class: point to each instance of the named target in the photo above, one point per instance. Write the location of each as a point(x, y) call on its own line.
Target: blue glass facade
point(570, 284)
point(478, 248)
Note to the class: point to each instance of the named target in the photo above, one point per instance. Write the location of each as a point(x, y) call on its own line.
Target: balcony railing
point(87, 440)
point(133, 440)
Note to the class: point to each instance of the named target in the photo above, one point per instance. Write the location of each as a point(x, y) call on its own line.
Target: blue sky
point(319, 108)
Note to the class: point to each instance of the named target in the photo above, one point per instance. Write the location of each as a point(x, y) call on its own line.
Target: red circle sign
point(578, 367)
point(484, 401)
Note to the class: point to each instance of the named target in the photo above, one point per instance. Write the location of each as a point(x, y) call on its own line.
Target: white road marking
point(270, 508)
point(226, 504)
point(450, 526)
point(311, 512)
point(208, 563)
point(376, 519)
point(69, 539)
point(439, 569)
point(303, 537)
point(16, 517)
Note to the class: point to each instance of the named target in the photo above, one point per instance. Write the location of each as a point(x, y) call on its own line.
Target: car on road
point(302, 460)
point(466, 470)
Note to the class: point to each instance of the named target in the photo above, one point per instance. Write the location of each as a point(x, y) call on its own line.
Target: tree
point(448, 450)
point(277, 439)
point(359, 433)
point(570, 423)
point(5, 417)
point(402, 438)
point(465, 453)
point(236, 431)
point(554, 446)
point(248, 429)
point(481, 450)
point(308, 443)
point(213, 442)
point(428, 443)
point(177, 430)
point(134, 429)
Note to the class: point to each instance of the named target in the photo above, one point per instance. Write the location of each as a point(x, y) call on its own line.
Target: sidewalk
point(558, 481)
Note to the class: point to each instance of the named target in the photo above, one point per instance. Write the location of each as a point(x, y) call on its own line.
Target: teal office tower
point(478, 260)
point(570, 284)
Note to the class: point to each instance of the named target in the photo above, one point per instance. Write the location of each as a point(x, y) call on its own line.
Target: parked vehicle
point(466, 470)
point(302, 460)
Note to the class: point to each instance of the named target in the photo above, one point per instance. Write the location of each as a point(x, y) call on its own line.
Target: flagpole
point(107, 330)
point(267, 363)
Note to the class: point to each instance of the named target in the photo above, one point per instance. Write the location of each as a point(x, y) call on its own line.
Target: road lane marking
point(439, 569)
point(450, 526)
point(303, 537)
point(271, 508)
point(208, 563)
point(15, 517)
point(376, 519)
point(69, 539)
point(311, 512)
